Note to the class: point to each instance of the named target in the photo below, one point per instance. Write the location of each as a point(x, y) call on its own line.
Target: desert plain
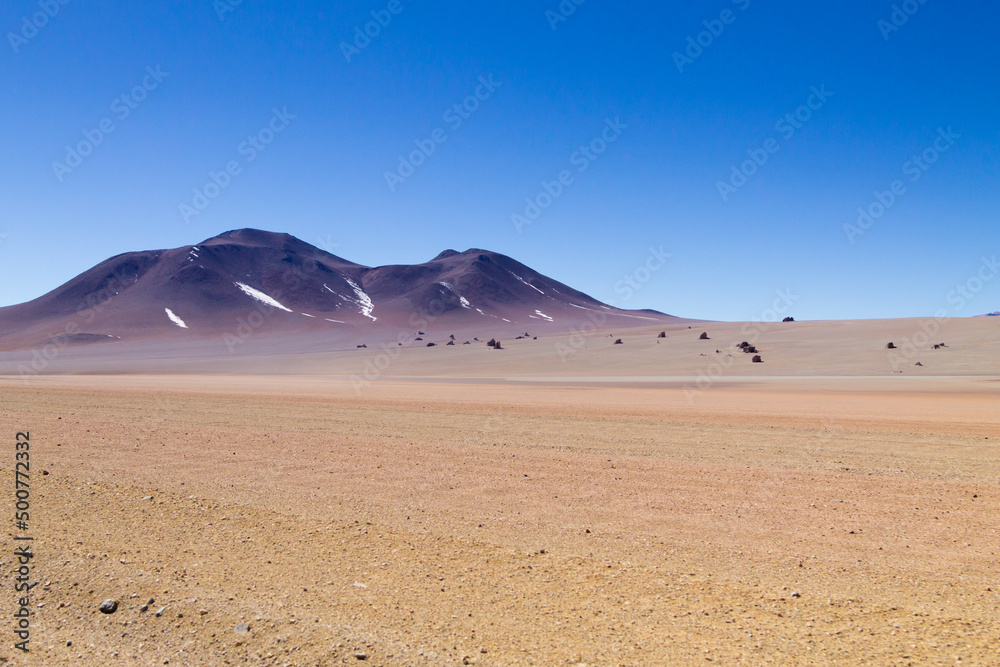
point(563, 501)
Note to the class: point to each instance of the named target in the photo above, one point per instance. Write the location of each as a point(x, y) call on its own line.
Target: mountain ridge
point(207, 288)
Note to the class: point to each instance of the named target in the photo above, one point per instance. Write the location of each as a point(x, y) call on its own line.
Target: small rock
point(109, 606)
point(796, 594)
point(159, 612)
point(147, 497)
point(144, 608)
point(360, 655)
point(241, 628)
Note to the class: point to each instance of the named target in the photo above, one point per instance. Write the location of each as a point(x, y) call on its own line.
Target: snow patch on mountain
point(176, 320)
point(260, 296)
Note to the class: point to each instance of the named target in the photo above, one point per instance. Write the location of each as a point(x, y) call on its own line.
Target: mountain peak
point(251, 236)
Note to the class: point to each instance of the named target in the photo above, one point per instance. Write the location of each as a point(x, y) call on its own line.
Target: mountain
point(995, 314)
point(275, 283)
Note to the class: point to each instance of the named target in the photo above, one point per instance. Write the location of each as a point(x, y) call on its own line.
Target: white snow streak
point(176, 320)
point(327, 288)
point(465, 302)
point(525, 281)
point(543, 315)
point(364, 301)
point(260, 296)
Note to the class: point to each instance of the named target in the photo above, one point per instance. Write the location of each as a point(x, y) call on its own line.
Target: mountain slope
point(277, 283)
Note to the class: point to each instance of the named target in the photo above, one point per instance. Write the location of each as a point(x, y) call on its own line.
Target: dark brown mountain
point(277, 283)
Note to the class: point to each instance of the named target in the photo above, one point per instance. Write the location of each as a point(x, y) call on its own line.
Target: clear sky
point(662, 119)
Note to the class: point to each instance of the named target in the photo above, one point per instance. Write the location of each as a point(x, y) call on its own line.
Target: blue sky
point(330, 121)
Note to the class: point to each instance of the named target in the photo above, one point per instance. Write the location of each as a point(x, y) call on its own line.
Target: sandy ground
point(796, 349)
point(807, 522)
point(523, 509)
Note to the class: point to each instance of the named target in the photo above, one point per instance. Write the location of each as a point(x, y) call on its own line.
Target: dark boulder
point(890, 346)
point(618, 342)
point(662, 334)
point(703, 336)
point(757, 360)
